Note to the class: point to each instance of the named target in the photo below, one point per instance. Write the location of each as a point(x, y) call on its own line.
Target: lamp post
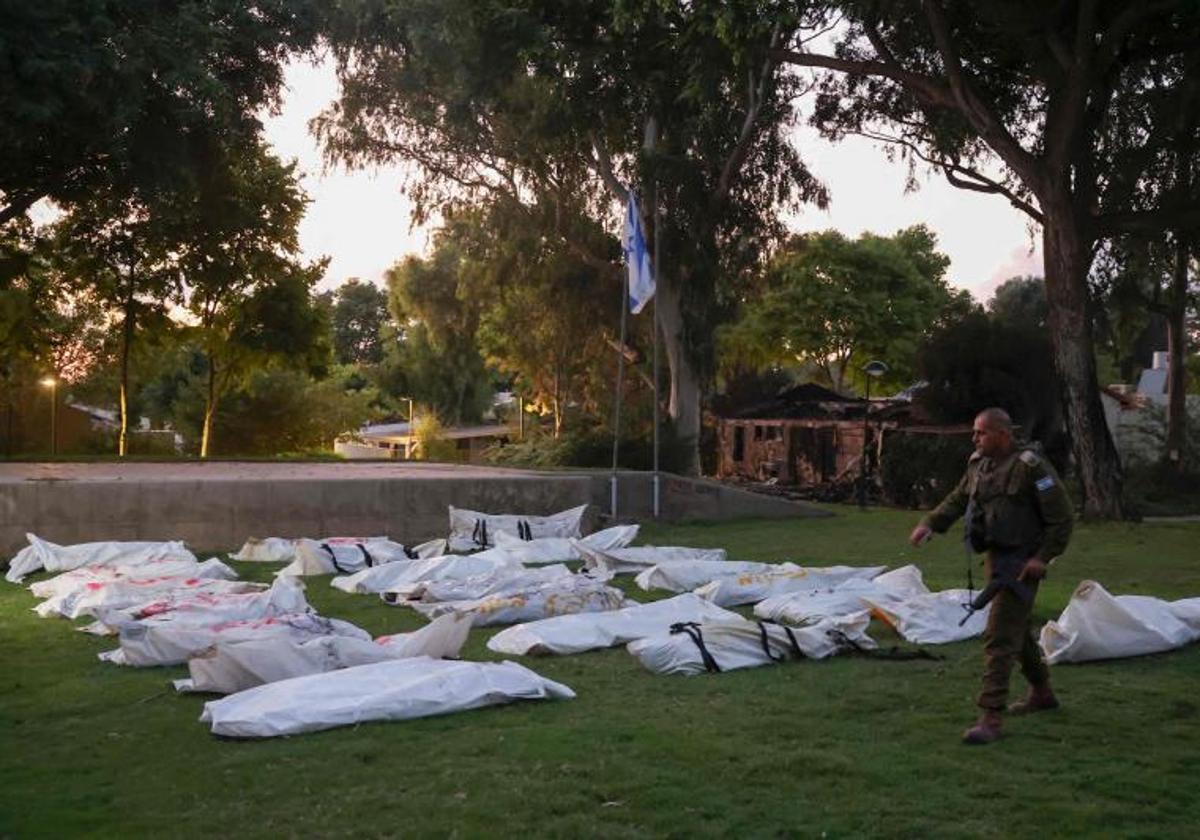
point(52, 383)
point(873, 370)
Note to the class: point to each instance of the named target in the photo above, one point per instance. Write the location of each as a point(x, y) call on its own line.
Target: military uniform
point(1020, 505)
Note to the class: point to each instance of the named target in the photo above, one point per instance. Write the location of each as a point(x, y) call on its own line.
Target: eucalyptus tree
point(1037, 88)
point(121, 250)
point(574, 104)
point(98, 93)
point(246, 288)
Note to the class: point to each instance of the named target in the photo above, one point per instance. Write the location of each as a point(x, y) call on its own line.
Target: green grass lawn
point(845, 747)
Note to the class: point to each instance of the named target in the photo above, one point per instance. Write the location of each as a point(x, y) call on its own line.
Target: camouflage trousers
point(1009, 639)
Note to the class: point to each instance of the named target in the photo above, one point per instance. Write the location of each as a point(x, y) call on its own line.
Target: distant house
point(397, 440)
point(810, 435)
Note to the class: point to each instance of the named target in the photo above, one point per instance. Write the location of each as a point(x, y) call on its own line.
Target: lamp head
point(875, 368)
point(48, 381)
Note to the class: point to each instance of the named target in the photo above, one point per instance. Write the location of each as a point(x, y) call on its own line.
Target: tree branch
point(601, 162)
point(958, 175)
point(756, 94)
point(1177, 217)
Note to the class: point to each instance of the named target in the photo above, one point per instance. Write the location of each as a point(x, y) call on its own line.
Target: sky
point(361, 220)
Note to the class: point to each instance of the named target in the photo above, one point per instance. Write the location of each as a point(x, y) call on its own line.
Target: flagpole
point(617, 401)
point(657, 267)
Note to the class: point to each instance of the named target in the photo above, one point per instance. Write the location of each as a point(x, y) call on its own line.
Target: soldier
point(1016, 503)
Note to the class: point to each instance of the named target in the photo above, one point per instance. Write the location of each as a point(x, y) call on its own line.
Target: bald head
point(992, 433)
point(995, 418)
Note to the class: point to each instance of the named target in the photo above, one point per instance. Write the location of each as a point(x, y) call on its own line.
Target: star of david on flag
point(637, 258)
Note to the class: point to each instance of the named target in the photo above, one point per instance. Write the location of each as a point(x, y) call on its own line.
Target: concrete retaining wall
point(218, 509)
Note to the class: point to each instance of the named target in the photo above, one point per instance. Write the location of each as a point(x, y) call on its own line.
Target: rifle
point(1006, 571)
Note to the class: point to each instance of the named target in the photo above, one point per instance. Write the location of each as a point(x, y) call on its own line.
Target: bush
point(1158, 489)
point(591, 448)
point(432, 444)
point(918, 470)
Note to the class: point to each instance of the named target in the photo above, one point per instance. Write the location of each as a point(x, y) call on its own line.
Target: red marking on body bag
point(157, 608)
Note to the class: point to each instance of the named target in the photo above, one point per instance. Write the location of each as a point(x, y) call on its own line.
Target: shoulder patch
point(1030, 457)
point(1044, 483)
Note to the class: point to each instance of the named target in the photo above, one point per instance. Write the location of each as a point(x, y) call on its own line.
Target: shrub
point(432, 444)
point(918, 469)
point(591, 448)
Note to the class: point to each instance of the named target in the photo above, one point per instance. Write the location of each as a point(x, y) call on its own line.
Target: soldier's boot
point(1039, 699)
point(987, 730)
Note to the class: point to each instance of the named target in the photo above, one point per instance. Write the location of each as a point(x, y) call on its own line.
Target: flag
point(637, 258)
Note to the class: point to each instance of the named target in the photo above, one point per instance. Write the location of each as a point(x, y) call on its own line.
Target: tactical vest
point(1007, 508)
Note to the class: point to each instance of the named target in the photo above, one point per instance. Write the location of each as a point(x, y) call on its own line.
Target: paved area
point(249, 470)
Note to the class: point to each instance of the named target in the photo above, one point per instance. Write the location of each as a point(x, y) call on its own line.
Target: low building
point(810, 435)
point(398, 440)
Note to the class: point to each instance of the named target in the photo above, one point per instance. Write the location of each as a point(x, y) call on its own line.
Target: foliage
point(592, 448)
point(1020, 302)
point(358, 312)
point(547, 315)
point(128, 97)
point(835, 303)
point(627, 757)
point(274, 409)
point(1085, 107)
point(918, 470)
point(978, 360)
point(432, 443)
point(246, 288)
point(439, 355)
point(567, 106)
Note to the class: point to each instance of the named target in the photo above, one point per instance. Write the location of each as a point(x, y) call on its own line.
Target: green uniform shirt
point(1022, 499)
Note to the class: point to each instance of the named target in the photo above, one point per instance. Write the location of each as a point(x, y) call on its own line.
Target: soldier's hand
point(920, 535)
point(1033, 570)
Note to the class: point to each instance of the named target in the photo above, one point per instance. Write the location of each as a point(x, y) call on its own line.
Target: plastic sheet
point(808, 606)
point(578, 633)
point(932, 619)
point(633, 560)
point(285, 597)
point(505, 580)
point(67, 582)
point(148, 644)
point(347, 557)
point(227, 668)
point(470, 530)
point(739, 643)
point(42, 554)
point(786, 578)
point(399, 690)
point(95, 599)
point(398, 578)
point(283, 549)
point(563, 549)
point(1099, 625)
point(560, 596)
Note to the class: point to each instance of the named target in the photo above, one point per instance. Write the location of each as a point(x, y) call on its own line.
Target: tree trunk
point(684, 403)
point(126, 340)
point(557, 406)
point(210, 408)
point(1176, 349)
point(1067, 261)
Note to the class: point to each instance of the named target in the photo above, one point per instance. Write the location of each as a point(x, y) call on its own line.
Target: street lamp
point(52, 383)
point(873, 370)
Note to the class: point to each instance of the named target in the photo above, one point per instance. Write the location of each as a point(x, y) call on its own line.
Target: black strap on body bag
point(692, 629)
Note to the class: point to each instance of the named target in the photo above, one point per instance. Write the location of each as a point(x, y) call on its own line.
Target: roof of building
point(400, 433)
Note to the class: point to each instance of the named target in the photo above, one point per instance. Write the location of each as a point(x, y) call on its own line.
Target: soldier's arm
point(1054, 507)
point(951, 508)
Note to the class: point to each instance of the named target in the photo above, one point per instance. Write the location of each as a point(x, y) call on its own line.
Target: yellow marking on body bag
point(762, 577)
